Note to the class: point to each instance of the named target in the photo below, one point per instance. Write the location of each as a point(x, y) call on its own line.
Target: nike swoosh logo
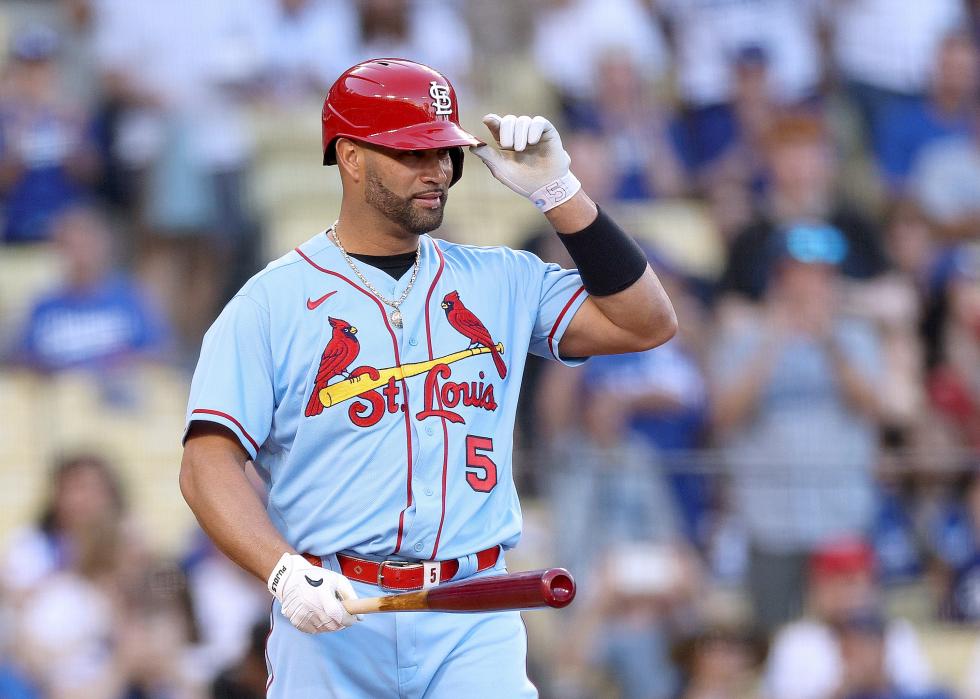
point(314, 583)
point(312, 305)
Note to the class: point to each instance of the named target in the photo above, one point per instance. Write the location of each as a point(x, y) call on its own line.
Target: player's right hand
point(311, 596)
point(531, 160)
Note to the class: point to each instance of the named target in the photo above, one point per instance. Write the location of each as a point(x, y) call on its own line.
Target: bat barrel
point(536, 588)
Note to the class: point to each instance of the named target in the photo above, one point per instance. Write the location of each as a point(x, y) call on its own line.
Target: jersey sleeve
point(559, 295)
point(233, 384)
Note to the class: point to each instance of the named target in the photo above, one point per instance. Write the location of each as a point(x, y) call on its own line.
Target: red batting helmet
point(398, 104)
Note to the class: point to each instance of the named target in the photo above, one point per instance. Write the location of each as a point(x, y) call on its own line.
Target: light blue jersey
point(374, 439)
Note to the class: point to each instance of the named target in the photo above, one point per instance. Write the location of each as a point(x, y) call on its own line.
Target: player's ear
point(350, 158)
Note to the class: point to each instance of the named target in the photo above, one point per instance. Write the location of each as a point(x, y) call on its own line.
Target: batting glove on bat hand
point(531, 160)
point(311, 596)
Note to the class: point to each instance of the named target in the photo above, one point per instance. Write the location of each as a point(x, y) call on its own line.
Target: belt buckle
point(395, 564)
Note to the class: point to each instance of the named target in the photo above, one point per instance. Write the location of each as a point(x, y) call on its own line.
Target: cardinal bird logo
point(468, 325)
point(337, 356)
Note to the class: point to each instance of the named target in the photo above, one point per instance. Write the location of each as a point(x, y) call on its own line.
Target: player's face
point(409, 187)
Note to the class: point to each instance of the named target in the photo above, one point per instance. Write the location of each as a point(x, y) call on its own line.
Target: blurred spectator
point(647, 592)
point(48, 158)
point(177, 127)
point(807, 659)
point(298, 66)
point(954, 539)
point(99, 318)
point(945, 182)
point(954, 381)
point(886, 56)
point(600, 470)
point(110, 625)
point(83, 490)
point(893, 534)
point(247, 678)
point(707, 35)
point(728, 143)
point(633, 130)
point(864, 657)
point(802, 169)
point(95, 614)
point(226, 602)
point(595, 28)
point(427, 31)
point(720, 661)
point(907, 126)
point(894, 302)
point(660, 396)
point(795, 408)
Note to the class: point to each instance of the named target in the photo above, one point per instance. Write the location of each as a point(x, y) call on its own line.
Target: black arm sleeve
point(607, 258)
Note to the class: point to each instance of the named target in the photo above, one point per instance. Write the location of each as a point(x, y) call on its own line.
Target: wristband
point(608, 259)
point(556, 192)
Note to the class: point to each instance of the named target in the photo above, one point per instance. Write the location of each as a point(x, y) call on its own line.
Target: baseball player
point(372, 376)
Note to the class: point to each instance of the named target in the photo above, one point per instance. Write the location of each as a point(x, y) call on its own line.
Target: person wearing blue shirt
point(98, 317)
point(48, 159)
point(907, 126)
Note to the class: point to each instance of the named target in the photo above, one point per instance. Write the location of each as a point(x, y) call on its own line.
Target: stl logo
point(440, 96)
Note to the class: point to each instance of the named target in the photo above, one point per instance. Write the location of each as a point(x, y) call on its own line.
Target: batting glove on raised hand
point(311, 596)
point(531, 160)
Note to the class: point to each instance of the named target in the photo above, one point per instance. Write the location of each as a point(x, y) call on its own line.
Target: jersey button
point(428, 491)
point(418, 546)
point(429, 430)
point(413, 341)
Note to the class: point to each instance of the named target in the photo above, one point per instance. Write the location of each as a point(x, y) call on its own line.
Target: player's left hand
point(311, 597)
point(531, 160)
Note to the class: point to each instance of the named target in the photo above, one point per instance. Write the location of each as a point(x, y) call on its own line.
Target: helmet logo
point(440, 96)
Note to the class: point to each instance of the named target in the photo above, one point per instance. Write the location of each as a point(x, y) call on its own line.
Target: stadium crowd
point(781, 502)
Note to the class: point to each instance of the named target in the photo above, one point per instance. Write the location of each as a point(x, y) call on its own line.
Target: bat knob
point(558, 587)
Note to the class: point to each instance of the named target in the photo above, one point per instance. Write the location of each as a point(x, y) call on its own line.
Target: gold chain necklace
point(395, 315)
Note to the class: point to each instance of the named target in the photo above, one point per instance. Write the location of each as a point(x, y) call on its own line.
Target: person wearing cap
point(48, 157)
point(372, 375)
point(795, 409)
point(826, 654)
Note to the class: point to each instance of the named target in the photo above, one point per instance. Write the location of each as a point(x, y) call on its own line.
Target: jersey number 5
point(481, 471)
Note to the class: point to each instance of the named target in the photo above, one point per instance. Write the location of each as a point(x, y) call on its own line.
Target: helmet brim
point(439, 134)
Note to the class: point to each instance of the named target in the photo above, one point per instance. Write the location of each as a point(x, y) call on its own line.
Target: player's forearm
point(215, 487)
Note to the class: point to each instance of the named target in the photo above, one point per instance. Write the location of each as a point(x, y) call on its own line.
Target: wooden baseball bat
point(553, 587)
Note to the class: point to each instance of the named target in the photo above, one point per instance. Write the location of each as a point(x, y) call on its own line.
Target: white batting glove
point(311, 596)
point(531, 160)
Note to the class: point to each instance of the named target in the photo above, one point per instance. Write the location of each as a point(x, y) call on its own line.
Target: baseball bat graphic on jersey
point(364, 379)
point(553, 587)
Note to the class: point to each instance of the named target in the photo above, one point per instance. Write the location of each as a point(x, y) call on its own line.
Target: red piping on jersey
point(445, 429)
point(408, 419)
point(226, 416)
point(554, 329)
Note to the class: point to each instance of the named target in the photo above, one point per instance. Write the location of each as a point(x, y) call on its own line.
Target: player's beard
point(400, 210)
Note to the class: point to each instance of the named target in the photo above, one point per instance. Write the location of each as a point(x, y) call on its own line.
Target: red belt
point(405, 576)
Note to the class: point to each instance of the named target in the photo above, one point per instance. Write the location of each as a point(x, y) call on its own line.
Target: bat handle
point(362, 605)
